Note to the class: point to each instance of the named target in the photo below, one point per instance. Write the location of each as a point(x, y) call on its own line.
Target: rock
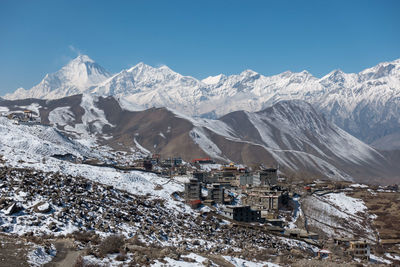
point(3, 202)
point(207, 262)
point(13, 208)
point(42, 207)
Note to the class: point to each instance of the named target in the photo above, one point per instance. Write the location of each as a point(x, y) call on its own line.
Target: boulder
point(42, 207)
point(13, 208)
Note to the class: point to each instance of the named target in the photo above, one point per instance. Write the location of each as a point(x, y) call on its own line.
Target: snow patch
point(40, 256)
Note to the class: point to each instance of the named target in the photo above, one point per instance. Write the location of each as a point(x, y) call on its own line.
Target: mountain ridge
point(365, 104)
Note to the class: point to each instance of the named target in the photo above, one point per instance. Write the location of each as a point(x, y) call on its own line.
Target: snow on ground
point(33, 146)
point(393, 257)
point(61, 116)
point(244, 263)
point(182, 178)
point(197, 260)
point(37, 141)
point(40, 256)
point(209, 167)
point(109, 260)
point(345, 203)
point(376, 259)
point(33, 107)
point(338, 215)
point(359, 185)
point(93, 117)
point(141, 148)
point(128, 105)
point(297, 213)
point(201, 138)
point(298, 244)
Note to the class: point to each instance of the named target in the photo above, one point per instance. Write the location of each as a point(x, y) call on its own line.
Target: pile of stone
point(43, 203)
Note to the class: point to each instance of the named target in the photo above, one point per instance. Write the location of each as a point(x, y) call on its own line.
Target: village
point(258, 199)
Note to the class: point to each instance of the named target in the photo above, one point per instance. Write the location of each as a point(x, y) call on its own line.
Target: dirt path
point(66, 255)
point(13, 251)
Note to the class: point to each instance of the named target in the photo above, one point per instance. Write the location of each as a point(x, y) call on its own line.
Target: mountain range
point(365, 104)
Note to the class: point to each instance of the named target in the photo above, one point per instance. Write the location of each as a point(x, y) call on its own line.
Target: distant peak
point(288, 72)
point(213, 79)
point(397, 61)
point(164, 67)
point(140, 66)
point(334, 75)
point(337, 72)
point(249, 72)
point(82, 59)
point(305, 72)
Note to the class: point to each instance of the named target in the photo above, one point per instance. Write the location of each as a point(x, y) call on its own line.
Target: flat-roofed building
point(269, 177)
point(360, 249)
point(193, 190)
point(242, 214)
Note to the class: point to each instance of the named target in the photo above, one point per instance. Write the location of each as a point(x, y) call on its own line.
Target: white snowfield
point(347, 204)
point(190, 260)
point(350, 100)
point(339, 214)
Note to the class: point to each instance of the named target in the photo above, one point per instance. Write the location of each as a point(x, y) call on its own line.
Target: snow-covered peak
point(381, 70)
point(214, 79)
point(76, 77)
point(249, 73)
point(140, 66)
point(82, 72)
point(81, 59)
point(145, 70)
point(335, 76)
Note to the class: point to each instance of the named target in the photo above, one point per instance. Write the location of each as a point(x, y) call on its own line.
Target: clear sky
point(196, 38)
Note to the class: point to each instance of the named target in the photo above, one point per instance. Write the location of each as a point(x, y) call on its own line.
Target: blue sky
point(197, 38)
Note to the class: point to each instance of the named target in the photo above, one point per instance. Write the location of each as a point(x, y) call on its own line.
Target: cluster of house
point(262, 197)
point(168, 167)
point(360, 249)
point(22, 116)
point(355, 248)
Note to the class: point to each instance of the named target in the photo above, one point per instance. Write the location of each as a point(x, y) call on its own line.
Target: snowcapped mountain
point(291, 134)
point(365, 104)
point(76, 77)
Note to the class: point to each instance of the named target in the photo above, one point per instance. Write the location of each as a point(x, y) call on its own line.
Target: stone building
point(242, 214)
point(193, 190)
point(246, 179)
point(360, 249)
point(261, 198)
point(216, 193)
point(200, 176)
point(269, 177)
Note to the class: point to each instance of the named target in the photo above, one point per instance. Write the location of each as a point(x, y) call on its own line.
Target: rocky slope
point(365, 104)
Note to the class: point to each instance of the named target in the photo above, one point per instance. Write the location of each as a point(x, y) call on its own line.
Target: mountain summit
point(77, 76)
